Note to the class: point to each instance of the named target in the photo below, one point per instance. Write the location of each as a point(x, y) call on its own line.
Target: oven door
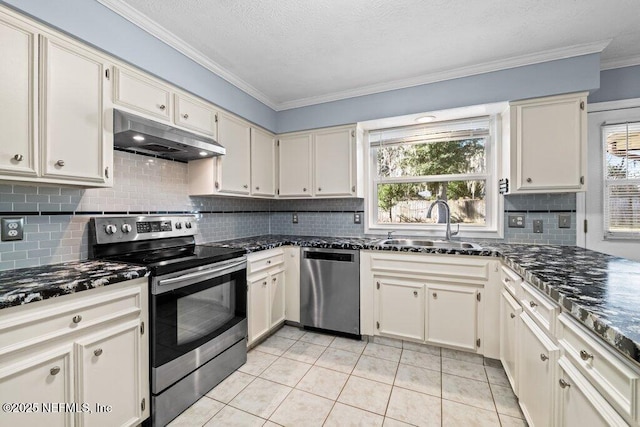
point(195, 316)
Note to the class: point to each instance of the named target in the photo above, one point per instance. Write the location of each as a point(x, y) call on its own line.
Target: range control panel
point(128, 229)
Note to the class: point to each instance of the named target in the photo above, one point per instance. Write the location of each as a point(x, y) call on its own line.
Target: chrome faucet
point(448, 232)
point(389, 233)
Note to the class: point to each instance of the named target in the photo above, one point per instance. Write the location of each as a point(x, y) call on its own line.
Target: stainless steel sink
point(443, 244)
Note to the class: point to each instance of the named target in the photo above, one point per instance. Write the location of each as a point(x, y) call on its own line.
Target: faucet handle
point(455, 233)
point(389, 233)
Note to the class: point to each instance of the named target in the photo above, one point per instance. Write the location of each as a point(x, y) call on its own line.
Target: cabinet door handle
point(162, 107)
point(319, 188)
point(543, 357)
point(245, 186)
point(18, 157)
point(274, 279)
point(529, 180)
point(257, 188)
point(563, 383)
point(584, 355)
point(97, 352)
point(507, 280)
point(60, 163)
point(268, 261)
point(185, 116)
point(77, 318)
point(106, 172)
point(512, 315)
point(353, 189)
point(55, 370)
point(435, 295)
point(533, 304)
point(304, 189)
point(264, 283)
point(415, 293)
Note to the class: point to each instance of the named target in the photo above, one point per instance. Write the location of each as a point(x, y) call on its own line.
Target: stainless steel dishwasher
point(330, 289)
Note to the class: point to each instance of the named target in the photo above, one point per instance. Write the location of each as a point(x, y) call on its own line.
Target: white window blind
point(621, 173)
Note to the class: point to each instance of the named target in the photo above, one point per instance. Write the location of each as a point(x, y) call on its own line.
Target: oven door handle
point(200, 274)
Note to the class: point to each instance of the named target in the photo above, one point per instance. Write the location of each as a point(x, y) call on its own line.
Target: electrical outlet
point(294, 218)
point(564, 220)
point(516, 221)
point(537, 226)
point(12, 229)
point(357, 218)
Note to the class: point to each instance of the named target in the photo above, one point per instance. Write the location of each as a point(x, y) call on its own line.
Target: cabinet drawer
point(614, 377)
point(264, 260)
point(541, 308)
point(34, 324)
point(140, 93)
point(511, 281)
point(191, 113)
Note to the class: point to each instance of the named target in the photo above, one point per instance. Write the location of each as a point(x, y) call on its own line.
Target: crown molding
point(158, 31)
point(629, 61)
point(166, 36)
point(487, 67)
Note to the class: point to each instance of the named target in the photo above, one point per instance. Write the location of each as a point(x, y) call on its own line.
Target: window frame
point(608, 182)
point(493, 227)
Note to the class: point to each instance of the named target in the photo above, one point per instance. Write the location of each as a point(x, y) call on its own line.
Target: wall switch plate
point(12, 229)
point(294, 218)
point(357, 218)
point(537, 226)
point(564, 220)
point(516, 221)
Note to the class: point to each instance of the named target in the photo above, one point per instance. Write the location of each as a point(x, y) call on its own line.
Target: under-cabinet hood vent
point(139, 135)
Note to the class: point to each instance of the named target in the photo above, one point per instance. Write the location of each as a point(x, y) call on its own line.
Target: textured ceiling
point(291, 52)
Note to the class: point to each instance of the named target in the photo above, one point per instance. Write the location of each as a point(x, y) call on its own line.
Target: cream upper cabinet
point(18, 98)
point(142, 94)
point(452, 316)
point(295, 165)
point(263, 158)
point(76, 145)
point(400, 308)
point(334, 164)
point(194, 114)
point(234, 167)
point(110, 357)
point(546, 147)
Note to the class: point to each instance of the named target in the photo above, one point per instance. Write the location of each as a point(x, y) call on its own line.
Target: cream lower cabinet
point(400, 308)
point(452, 316)
point(509, 319)
point(89, 348)
point(537, 359)
point(266, 287)
point(292, 283)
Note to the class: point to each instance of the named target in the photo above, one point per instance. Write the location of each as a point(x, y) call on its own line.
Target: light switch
point(564, 220)
point(12, 229)
point(537, 226)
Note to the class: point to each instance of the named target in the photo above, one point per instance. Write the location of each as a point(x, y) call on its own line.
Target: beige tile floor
point(299, 378)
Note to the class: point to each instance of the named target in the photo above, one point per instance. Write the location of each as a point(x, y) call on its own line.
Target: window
point(621, 180)
point(410, 167)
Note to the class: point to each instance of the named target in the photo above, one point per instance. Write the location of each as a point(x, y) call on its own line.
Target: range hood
point(139, 135)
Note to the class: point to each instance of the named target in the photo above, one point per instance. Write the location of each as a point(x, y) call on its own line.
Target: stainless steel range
point(198, 304)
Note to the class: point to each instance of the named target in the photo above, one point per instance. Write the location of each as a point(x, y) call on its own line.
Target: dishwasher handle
point(329, 256)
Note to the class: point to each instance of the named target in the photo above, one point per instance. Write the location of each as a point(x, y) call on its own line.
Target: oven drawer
point(70, 313)
point(614, 377)
point(541, 308)
point(264, 260)
point(511, 281)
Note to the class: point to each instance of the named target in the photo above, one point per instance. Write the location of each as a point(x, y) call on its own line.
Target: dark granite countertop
point(27, 285)
point(599, 290)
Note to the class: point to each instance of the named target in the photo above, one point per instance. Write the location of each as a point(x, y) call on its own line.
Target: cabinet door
point(235, 135)
point(400, 307)
point(196, 115)
point(259, 313)
point(549, 144)
point(263, 158)
point(109, 372)
point(452, 316)
point(74, 142)
point(140, 93)
point(295, 168)
point(292, 283)
point(45, 379)
point(334, 163)
point(277, 291)
point(509, 314)
point(580, 404)
point(18, 96)
point(537, 359)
